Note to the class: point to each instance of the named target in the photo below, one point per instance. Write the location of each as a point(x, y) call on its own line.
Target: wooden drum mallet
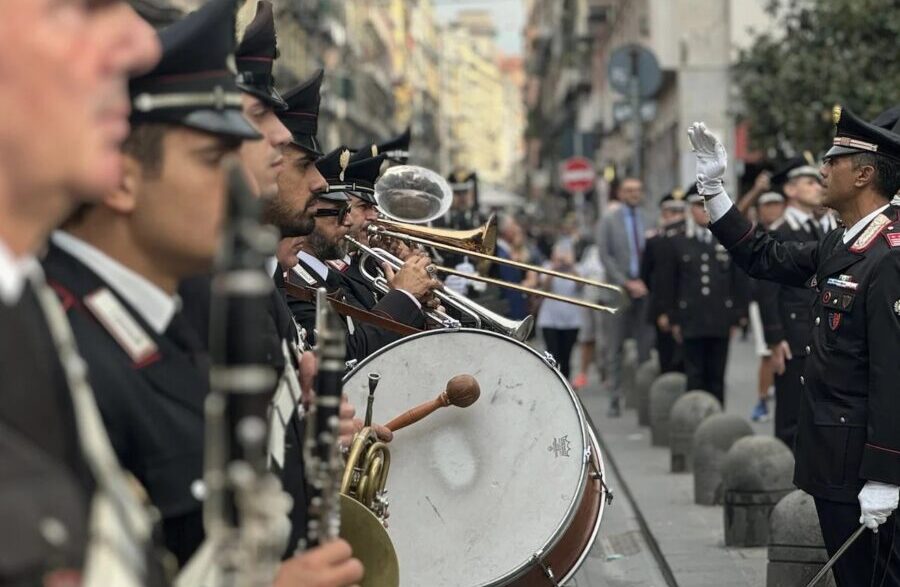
point(462, 391)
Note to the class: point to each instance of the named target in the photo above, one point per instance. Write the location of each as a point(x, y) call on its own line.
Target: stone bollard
point(796, 548)
point(646, 374)
point(712, 439)
point(629, 367)
point(758, 471)
point(689, 411)
point(666, 389)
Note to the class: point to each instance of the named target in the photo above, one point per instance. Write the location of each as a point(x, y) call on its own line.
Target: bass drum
point(508, 491)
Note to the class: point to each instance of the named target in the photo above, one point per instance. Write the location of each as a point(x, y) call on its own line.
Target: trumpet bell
point(408, 193)
point(371, 544)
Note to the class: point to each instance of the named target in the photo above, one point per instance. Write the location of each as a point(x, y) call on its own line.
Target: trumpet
point(408, 196)
point(482, 317)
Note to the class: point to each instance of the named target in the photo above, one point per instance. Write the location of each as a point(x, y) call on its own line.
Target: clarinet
point(324, 465)
point(245, 511)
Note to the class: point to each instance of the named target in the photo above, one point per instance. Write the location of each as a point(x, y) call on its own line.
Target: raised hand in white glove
point(876, 502)
point(712, 160)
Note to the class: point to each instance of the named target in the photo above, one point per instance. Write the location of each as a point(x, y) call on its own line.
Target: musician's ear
point(124, 198)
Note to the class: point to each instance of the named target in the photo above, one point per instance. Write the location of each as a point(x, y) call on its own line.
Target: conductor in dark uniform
point(848, 438)
point(785, 311)
point(704, 296)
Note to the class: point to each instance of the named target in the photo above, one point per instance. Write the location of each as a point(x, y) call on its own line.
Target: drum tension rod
point(548, 572)
point(597, 475)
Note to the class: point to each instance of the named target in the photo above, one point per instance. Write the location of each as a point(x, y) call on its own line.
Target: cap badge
point(836, 114)
point(897, 307)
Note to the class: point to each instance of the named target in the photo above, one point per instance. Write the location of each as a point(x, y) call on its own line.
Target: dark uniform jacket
point(195, 295)
point(42, 471)
point(656, 251)
point(363, 339)
point(786, 311)
point(355, 287)
point(849, 423)
point(699, 287)
point(153, 408)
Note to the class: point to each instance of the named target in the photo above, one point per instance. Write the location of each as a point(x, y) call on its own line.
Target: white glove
point(712, 160)
point(876, 502)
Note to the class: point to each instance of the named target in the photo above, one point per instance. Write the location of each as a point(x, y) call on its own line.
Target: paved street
point(688, 538)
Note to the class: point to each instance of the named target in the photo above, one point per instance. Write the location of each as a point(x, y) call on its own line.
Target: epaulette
point(892, 234)
point(304, 274)
point(871, 232)
point(121, 325)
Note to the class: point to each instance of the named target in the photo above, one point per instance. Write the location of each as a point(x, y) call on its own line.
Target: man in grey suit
point(622, 238)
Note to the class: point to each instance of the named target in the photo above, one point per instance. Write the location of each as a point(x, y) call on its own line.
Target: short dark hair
point(145, 145)
point(887, 172)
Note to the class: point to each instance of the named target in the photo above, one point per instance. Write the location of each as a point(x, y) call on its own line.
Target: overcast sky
point(508, 18)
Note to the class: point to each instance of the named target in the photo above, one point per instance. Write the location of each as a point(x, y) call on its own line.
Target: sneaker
point(614, 410)
point(760, 412)
point(580, 381)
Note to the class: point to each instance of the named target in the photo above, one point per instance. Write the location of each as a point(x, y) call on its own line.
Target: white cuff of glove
point(718, 206)
point(877, 501)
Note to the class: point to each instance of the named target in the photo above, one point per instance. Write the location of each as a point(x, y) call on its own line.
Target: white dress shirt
point(863, 222)
point(154, 305)
point(13, 274)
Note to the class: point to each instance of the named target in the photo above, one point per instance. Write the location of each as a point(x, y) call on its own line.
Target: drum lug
point(545, 568)
point(550, 360)
point(597, 475)
point(350, 365)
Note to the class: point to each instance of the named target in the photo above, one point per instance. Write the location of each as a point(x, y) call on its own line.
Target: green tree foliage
point(822, 53)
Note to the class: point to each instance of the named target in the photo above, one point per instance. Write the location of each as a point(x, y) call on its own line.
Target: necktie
point(636, 242)
point(332, 281)
point(814, 228)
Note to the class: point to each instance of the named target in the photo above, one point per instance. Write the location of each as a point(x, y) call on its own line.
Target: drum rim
point(604, 493)
point(560, 529)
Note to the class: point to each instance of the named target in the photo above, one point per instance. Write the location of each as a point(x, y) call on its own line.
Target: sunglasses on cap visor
point(341, 213)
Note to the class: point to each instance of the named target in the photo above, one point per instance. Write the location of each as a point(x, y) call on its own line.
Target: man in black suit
point(64, 71)
point(118, 264)
point(848, 439)
point(785, 311)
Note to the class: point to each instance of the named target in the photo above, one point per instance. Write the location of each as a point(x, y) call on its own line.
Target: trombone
point(408, 195)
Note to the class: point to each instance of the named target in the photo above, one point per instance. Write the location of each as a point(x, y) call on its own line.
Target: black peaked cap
point(363, 174)
point(333, 168)
point(193, 84)
point(793, 168)
point(255, 57)
point(302, 114)
point(855, 135)
point(395, 149)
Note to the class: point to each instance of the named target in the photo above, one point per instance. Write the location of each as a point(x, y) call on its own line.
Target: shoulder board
point(121, 325)
point(304, 274)
point(892, 234)
point(337, 265)
point(868, 236)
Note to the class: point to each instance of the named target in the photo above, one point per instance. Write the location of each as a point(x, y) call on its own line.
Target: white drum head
point(475, 492)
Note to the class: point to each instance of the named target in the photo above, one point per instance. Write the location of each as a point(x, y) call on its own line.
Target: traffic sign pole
point(635, 95)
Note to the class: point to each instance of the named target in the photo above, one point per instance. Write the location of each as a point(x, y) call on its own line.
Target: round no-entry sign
point(578, 175)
